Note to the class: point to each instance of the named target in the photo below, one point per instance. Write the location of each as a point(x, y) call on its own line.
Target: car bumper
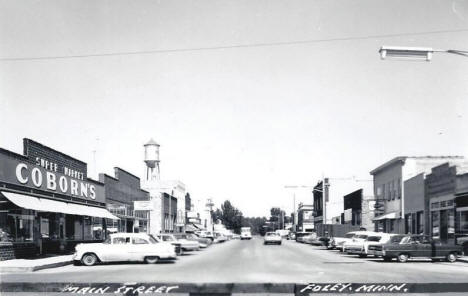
point(353, 250)
point(190, 248)
point(376, 253)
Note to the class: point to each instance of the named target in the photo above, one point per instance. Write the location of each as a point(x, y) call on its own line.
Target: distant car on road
point(419, 246)
point(124, 247)
point(272, 238)
point(246, 233)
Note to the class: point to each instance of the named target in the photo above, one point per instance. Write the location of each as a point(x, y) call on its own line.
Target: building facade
point(359, 209)
point(121, 192)
point(47, 202)
point(442, 186)
point(305, 218)
point(414, 205)
point(388, 181)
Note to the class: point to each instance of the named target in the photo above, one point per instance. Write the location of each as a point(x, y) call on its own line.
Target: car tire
point(89, 259)
point(403, 257)
point(451, 257)
point(76, 262)
point(151, 260)
point(387, 259)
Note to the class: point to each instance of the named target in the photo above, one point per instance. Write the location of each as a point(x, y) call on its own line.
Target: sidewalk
point(28, 265)
point(463, 259)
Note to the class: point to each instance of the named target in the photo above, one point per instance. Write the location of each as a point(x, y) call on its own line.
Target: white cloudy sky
point(235, 123)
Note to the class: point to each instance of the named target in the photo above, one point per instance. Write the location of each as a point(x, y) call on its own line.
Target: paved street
point(251, 261)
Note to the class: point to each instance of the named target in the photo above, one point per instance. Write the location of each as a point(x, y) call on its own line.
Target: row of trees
point(233, 219)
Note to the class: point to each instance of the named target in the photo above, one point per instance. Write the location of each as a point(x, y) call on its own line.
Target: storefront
point(122, 191)
point(47, 203)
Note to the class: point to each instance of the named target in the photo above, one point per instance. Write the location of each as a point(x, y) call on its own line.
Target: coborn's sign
point(28, 174)
point(24, 174)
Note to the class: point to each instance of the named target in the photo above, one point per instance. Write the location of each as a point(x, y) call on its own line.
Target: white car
point(124, 247)
point(338, 242)
point(356, 244)
point(272, 238)
point(246, 235)
point(185, 245)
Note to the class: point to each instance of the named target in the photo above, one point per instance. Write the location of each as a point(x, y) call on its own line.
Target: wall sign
point(35, 176)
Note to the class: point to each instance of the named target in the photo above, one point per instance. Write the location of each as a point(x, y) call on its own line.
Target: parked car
point(375, 249)
point(320, 241)
point(236, 236)
point(220, 238)
point(124, 247)
point(205, 234)
point(284, 233)
point(272, 238)
point(338, 242)
point(356, 244)
point(300, 236)
point(292, 235)
point(419, 246)
point(310, 238)
point(202, 242)
point(185, 245)
point(361, 248)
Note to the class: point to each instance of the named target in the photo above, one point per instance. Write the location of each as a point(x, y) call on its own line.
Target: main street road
point(251, 261)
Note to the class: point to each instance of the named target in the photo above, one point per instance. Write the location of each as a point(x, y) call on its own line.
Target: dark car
point(417, 246)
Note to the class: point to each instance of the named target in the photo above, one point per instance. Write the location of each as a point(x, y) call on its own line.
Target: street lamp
point(414, 53)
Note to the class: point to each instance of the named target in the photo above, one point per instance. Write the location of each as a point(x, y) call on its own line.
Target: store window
point(16, 225)
point(451, 224)
point(462, 222)
point(97, 228)
point(435, 224)
point(408, 223)
point(420, 222)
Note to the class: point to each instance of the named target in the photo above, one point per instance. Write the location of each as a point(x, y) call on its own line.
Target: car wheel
point(402, 257)
point(451, 257)
point(89, 259)
point(387, 259)
point(151, 260)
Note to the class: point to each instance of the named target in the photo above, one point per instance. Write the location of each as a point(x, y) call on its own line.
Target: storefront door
point(443, 226)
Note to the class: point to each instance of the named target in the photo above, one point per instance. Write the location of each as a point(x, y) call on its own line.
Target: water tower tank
point(151, 153)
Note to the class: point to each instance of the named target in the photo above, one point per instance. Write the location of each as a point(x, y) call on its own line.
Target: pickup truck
point(417, 246)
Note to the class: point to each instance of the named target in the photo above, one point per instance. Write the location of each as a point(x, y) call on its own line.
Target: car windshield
point(349, 235)
point(271, 234)
point(364, 236)
point(396, 239)
point(107, 241)
point(152, 239)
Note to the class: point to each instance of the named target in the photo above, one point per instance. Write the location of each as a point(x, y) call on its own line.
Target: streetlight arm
point(458, 52)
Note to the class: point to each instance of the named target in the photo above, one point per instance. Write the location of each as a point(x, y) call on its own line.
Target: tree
point(229, 215)
point(256, 224)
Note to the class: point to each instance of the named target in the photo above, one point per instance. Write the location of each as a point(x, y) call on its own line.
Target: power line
point(252, 45)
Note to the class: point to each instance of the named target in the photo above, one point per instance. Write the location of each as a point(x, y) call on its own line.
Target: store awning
point(47, 205)
point(386, 216)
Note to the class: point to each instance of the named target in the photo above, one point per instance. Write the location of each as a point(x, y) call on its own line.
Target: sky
point(245, 97)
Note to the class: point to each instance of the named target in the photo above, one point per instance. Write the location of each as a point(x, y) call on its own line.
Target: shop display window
point(16, 225)
point(435, 224)
point(462, 222)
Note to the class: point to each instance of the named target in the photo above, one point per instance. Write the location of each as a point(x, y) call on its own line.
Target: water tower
point(152, 160)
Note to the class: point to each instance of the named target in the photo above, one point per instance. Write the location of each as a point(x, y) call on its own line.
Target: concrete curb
point(20, 269)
